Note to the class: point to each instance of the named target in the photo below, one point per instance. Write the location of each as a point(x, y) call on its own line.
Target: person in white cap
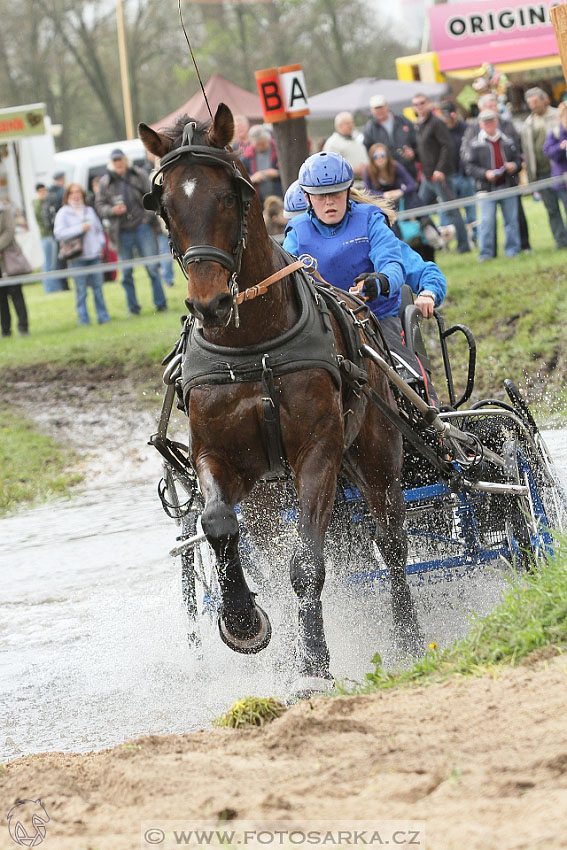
point(394, 131)
point(494, 161)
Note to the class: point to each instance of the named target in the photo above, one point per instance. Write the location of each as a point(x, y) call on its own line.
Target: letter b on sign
point(268, 84)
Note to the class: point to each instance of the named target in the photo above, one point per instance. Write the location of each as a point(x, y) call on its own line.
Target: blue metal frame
point(467, 539)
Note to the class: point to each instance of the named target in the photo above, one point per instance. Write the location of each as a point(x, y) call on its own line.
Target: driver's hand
point(366, 287)
point(370, 286)
point(426, 303)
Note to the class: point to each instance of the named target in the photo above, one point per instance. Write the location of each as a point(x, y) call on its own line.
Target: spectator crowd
point(441, 155)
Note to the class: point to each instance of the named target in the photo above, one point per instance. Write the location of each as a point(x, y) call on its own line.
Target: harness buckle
point(309, 262)
point(234, 293)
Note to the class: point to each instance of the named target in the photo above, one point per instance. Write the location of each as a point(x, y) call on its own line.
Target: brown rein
point(262, 287)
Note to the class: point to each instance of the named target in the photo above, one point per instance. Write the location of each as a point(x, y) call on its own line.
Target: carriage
point(479, 485)
point(285, 379)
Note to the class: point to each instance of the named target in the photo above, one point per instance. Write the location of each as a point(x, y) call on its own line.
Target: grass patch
point(532, 616)
point(124, 346)
point(516, 311)
point(251, 711)
point(33, 466)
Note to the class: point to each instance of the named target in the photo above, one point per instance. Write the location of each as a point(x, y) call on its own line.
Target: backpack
point(49, 209)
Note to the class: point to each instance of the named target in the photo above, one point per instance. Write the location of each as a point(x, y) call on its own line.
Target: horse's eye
point(229, 201)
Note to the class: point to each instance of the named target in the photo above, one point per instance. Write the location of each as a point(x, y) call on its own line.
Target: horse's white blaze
point(189, 187)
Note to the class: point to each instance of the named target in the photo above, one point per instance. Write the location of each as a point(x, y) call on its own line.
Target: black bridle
point(205, 155)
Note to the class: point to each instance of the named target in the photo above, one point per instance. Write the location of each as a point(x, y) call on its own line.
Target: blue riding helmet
point(295, 201)
point(325, 172)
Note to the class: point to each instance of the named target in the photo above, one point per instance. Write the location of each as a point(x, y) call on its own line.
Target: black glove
point(371, 288)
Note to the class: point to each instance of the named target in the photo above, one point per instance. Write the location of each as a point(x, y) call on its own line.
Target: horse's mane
point(200, 133)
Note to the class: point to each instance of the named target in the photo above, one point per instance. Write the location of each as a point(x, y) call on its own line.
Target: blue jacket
point(422, 276)
point(360, 244)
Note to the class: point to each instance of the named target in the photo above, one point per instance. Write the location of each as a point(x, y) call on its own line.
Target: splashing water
point(93, 646)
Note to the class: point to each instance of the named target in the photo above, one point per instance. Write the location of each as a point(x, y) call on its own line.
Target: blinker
point(149, 202)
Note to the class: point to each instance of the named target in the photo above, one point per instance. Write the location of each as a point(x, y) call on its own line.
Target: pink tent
point(219, 90)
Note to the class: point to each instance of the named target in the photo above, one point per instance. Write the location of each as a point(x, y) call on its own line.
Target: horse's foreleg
point(243, 625)
point(374, 464)
point(315, 483)
point(391, 539)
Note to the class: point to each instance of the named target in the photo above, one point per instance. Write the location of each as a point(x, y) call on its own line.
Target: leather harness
point(309, 344)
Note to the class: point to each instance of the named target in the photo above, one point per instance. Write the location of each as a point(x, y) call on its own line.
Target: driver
point(425, 278)
point(350, 240)
point(347, 239)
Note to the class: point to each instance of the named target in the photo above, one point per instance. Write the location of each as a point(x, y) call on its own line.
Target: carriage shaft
point(495, 487)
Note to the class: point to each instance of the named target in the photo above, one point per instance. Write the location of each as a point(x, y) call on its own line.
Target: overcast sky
point(409, 13)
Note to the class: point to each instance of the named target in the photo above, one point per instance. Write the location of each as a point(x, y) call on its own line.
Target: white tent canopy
point(354, 96)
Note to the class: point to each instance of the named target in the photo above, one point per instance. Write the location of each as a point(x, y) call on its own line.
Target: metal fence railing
point(496, 195)
point(78, 270)
point(458, 203)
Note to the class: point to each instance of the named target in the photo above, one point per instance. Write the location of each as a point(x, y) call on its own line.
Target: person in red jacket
point(494, 161)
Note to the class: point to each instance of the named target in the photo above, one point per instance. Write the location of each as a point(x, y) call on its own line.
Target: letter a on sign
point(294, 91)
point(268, 84)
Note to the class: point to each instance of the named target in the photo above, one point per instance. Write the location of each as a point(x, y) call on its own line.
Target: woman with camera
point(80, 233)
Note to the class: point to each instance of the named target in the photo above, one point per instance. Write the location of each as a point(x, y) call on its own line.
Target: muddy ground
point(481, 761)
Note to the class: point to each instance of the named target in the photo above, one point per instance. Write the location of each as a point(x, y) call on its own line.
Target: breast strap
point(309, 344)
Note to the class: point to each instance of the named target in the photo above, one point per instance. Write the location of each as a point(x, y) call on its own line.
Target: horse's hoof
point(306, 686)
point(248, 644)
point(410, 641)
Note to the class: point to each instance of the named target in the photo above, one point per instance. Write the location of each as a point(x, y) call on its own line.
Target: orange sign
point(270, 94)
point(283, 93)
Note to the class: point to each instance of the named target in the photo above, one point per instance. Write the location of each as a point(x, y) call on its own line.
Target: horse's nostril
point(216, 309)
point(224, 303)
point(193, 308)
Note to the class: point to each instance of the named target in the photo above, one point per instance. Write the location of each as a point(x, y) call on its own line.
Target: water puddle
point(93, 647)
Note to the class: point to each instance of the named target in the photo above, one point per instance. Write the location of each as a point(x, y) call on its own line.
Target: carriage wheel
point(526, 519)
point(188, 527)
point(550, 489)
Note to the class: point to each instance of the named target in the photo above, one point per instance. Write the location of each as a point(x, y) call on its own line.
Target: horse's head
point(203, 195)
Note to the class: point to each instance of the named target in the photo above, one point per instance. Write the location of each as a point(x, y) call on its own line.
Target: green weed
point(531, 616)
point(251, 711)
point(34, 468)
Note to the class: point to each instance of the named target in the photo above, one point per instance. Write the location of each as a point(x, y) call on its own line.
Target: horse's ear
point(154, 142)
point(222, 128)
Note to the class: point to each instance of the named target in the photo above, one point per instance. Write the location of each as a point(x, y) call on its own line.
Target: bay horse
point(218, 235)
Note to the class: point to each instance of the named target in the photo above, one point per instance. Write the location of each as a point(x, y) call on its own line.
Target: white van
point(82, 164)
point(25, 161)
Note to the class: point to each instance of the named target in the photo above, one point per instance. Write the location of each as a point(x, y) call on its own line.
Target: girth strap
point(272, 425)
